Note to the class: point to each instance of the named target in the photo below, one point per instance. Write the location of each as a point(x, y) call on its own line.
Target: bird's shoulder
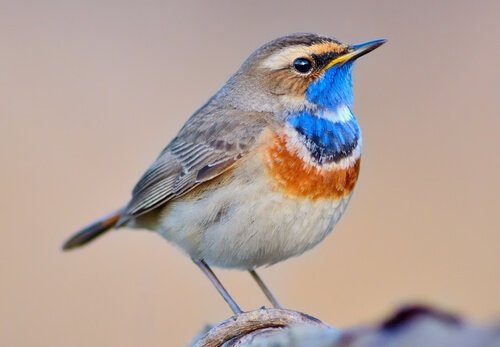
point(211, 142)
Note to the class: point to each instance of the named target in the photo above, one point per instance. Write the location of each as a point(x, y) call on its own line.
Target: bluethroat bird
point(264, 170)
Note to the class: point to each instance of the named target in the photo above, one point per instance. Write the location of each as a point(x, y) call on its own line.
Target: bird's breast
point(315, 157)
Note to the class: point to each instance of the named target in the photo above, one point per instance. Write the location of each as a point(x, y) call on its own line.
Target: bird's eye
point(302, 65)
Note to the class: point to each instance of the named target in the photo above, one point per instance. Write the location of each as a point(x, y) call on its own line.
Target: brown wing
point(208, 144)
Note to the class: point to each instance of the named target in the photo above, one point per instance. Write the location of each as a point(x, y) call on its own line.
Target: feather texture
point(208, 145)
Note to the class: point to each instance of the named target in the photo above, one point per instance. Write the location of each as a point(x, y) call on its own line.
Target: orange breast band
point(297, 178)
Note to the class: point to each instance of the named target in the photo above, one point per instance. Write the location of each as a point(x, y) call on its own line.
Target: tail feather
point(92, 231)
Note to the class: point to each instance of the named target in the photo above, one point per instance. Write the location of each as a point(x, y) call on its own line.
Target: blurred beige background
point(91, 91)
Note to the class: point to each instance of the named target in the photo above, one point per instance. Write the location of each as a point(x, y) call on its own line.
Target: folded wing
point(209, 144)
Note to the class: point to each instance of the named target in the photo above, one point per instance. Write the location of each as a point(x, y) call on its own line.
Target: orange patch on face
point(326, 47)
point(296, 178)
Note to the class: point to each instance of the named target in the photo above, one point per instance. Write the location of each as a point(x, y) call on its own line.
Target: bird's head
point(295, 72)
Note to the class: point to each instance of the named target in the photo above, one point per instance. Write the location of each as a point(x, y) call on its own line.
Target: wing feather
point(209, 144)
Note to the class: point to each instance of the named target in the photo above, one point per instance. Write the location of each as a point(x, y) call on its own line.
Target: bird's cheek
point(286, 83)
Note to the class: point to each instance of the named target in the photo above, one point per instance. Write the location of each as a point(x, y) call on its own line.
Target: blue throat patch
point(332, 89)
point(327, 141)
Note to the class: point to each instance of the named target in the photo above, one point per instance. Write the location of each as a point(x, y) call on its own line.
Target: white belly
point(246, 225)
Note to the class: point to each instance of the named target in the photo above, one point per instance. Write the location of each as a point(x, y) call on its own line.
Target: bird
point(263, 171)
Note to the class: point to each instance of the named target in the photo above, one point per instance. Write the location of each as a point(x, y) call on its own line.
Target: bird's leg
point(220, 288)
point(265, 289)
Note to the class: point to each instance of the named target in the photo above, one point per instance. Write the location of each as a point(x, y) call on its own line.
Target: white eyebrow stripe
point(284, 57)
